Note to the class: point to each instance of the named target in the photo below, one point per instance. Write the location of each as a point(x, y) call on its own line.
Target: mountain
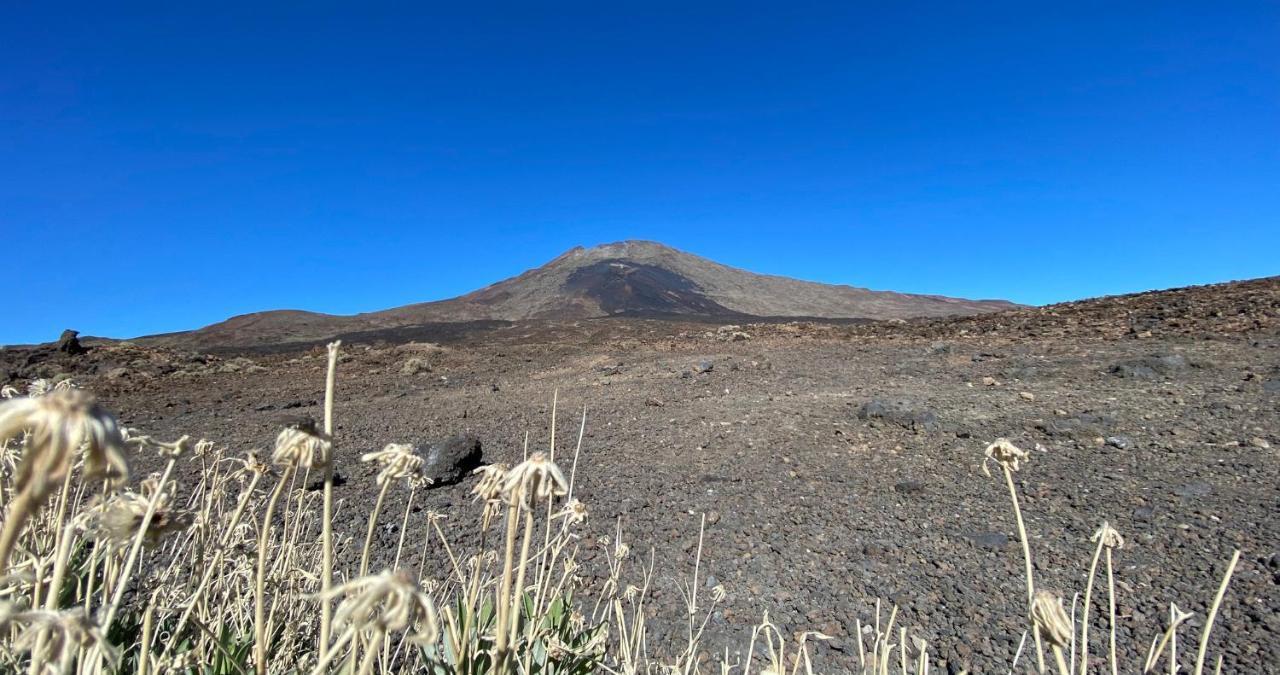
point(629, 278)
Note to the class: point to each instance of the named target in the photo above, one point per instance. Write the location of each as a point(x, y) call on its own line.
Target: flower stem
point(1026, 558)
point(1213, 612)
point(326, 524)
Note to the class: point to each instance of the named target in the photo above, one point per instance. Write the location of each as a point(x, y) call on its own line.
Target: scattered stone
point(704, 366)
point(1082, 427)
point(1121, 442)
point(116, 373)
point(1259, 442)
point(902, 412)
point(989, 381)
point(1026, 396)
point(1151, 367)
point(989, 540)
point(909, 487)
point(451, 460)
point(1194, 489)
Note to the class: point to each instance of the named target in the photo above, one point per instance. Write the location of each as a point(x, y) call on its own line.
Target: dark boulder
point(451, 460)
point(69, 343)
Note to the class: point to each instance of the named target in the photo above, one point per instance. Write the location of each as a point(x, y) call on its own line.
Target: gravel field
point(834, 464)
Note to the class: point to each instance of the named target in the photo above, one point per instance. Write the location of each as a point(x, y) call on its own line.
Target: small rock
point(902, 412)
point(1194, 489)
point(991, 540)
point(1259, 442)
point(704, 367)
point(1121, 442)
point(1026, 396)
point(909, 487)
point(1150, 367)
point(989, 381)
point(451, 460)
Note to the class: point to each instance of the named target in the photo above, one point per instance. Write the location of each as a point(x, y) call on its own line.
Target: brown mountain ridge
point(629, 278)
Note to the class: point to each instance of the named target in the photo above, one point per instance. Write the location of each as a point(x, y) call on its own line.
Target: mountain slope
point(631, 278)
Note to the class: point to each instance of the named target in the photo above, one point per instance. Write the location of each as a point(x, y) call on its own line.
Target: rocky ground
point(835, 464)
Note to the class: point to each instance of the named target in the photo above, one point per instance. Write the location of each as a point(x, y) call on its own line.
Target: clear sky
point(168, 165)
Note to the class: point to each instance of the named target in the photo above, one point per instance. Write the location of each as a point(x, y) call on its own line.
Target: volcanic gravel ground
point(1159, 413)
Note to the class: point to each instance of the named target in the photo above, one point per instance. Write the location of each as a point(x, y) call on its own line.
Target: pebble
point(1026, 396)
point(1121, 442)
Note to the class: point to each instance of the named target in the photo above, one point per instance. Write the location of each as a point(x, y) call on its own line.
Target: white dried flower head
point(1108, 537)
point(574, 512)
point(385, 603)
point(70, 629)
point(397, 461)
point(631, 592)
point(533, 479)
point(1050, 619)
point(253, 464)
point(621, 551)
point(1004, 453)
point(57, 426)
point(9, 391)
point(116, 520)
point(203, 447)
point(302, 446)
point(718, 593)
point(39, 387)
point(492, 477)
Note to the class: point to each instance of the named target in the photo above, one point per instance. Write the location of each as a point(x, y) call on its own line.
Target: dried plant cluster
point(237, 573)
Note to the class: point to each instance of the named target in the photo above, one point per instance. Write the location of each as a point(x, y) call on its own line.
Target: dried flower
point(384, 603)
point(397, 461)
point(142, 443)
point(1050, 619)
point(39, 387)
point(302, 446)
point(1108, 536)
point(535, 478)
point(58, 425)
point(574, 512)
point(9, 391)
point(718, 593)
point(116, 521)
point(69, 629)
point(1004, 453)
point(492, 477)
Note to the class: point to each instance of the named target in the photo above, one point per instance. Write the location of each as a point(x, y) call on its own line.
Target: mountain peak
point(622, 278)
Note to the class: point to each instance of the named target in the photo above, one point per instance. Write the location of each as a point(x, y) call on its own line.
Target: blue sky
point(168, 165)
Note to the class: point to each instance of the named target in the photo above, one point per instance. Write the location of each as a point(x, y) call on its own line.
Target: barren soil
point(1159, 413)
